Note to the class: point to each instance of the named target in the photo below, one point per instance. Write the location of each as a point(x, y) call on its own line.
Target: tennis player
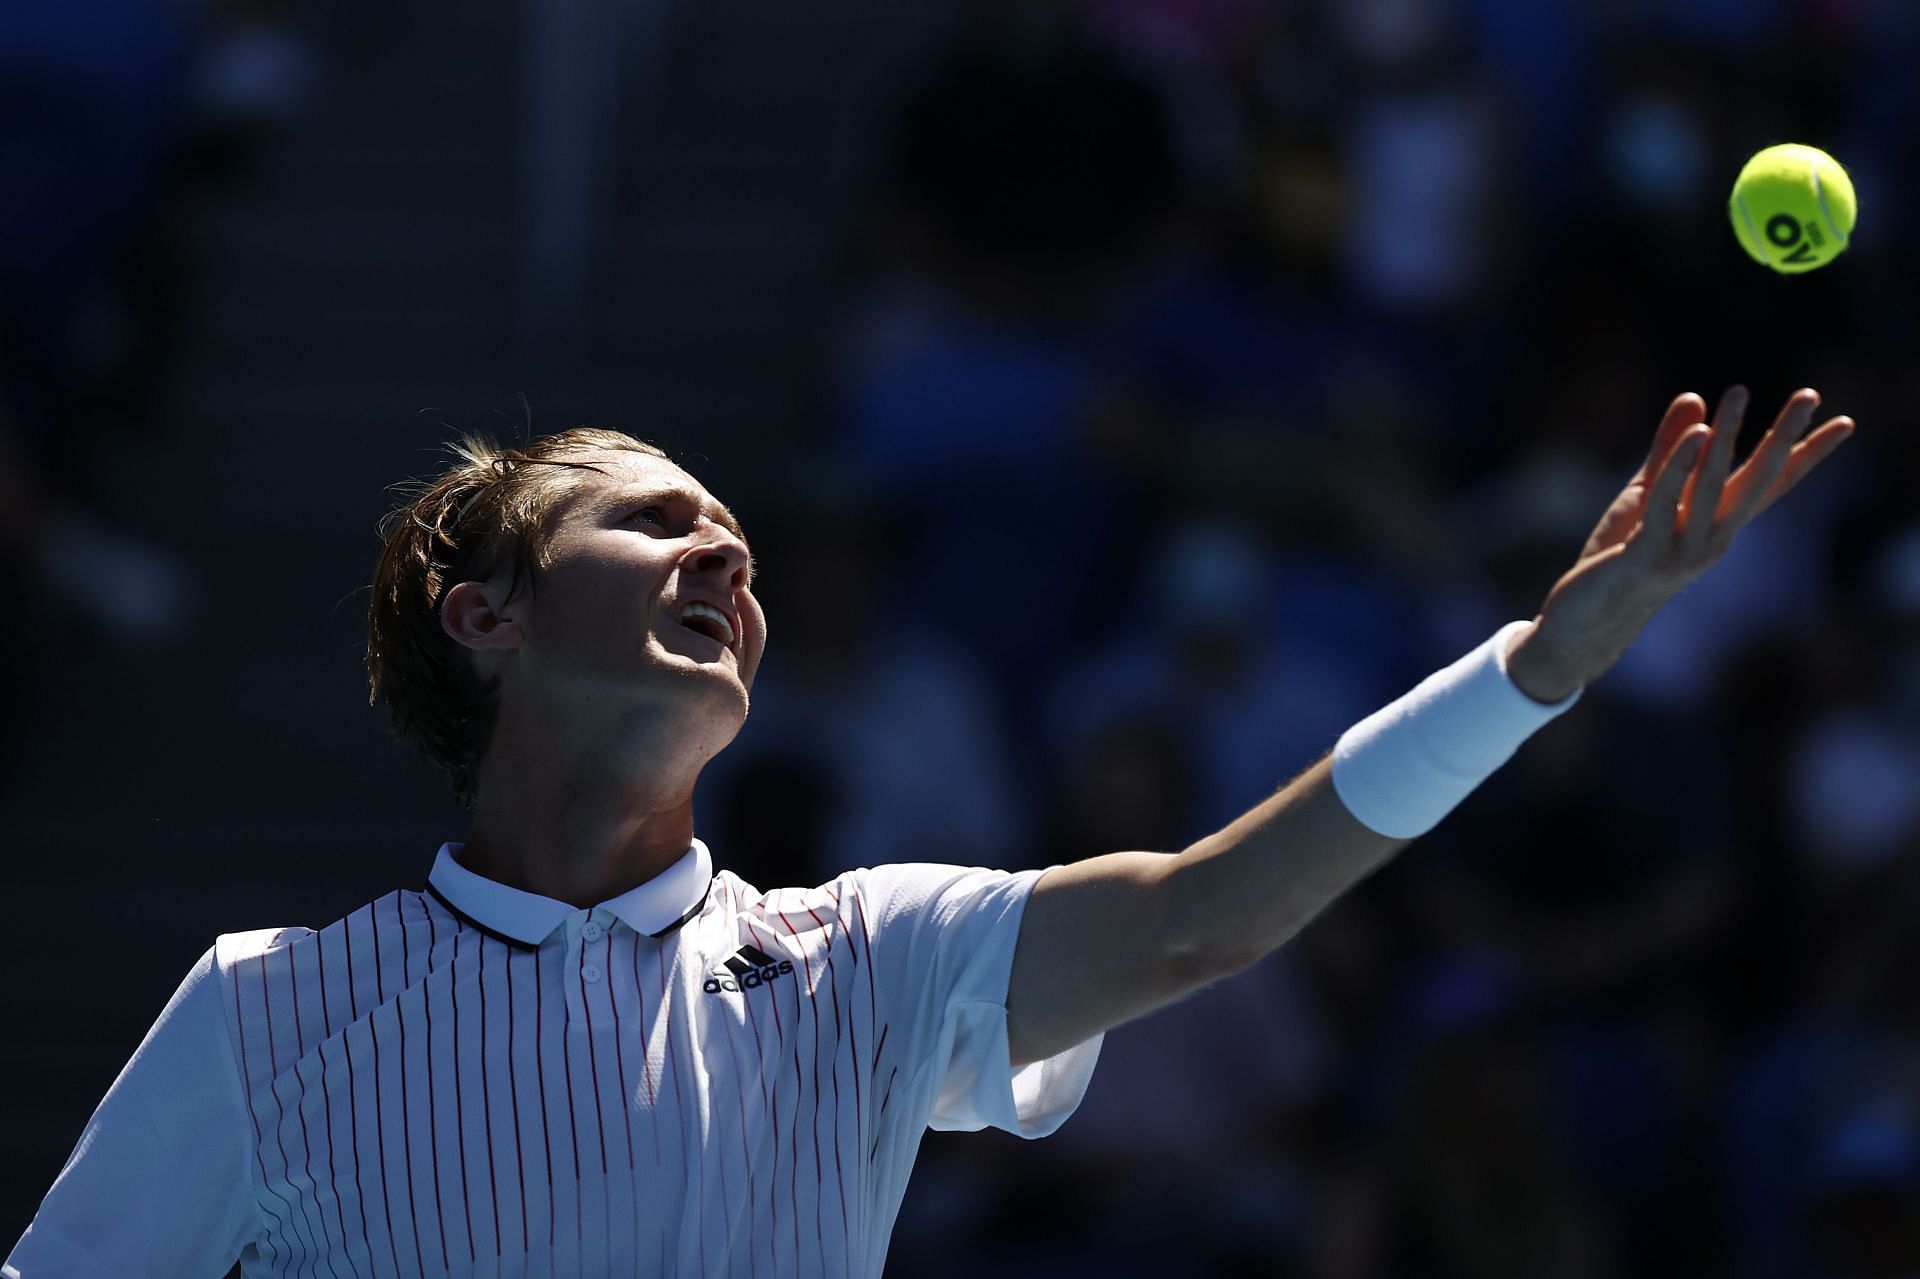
point(580, 1049)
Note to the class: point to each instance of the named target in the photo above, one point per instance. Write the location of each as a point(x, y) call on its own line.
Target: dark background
point(1122, 397)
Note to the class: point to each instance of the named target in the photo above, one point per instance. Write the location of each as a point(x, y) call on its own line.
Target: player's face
point(642, 559)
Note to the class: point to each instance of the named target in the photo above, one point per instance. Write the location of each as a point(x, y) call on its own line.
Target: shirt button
point(591, 932)
point(590, 972)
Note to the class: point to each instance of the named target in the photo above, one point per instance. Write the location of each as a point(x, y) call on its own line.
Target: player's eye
point(650, 515)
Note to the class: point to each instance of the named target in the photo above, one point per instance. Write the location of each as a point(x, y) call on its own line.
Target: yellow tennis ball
point(1792, 208)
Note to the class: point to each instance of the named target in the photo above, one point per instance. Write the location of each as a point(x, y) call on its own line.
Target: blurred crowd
point(112, 113)
point(1214, 371)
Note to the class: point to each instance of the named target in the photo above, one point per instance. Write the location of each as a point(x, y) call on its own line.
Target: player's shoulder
point(914, 887)
point(231, 950)
point(738, 897)
point(871, 894)
point(299, 945)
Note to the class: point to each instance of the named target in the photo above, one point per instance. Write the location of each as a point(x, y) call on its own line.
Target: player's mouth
point(712, 624)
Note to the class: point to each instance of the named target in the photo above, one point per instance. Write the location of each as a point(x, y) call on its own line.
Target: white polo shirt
point(694, 1078)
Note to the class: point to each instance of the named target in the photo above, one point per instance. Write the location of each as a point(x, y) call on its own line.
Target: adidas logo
point(748, 968)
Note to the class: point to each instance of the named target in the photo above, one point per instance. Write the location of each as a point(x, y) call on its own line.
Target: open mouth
point(709, 628)
point(709, 623)
point(713, 632)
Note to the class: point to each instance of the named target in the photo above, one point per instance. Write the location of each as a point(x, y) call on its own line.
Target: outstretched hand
point(1673, 521)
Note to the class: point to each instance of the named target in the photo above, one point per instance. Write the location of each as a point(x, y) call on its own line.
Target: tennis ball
point(1792, 208)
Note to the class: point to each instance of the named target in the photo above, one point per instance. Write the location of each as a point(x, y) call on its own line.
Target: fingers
point(1806, 455)
point(1693, 508)
point(1752, 487)
point(1700, 501)
point(1686, 411)
point(1655, 537)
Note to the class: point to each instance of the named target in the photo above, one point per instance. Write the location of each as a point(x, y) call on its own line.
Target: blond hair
point(492, 507)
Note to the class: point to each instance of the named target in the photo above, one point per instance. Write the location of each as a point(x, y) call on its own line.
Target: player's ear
point(473, 615)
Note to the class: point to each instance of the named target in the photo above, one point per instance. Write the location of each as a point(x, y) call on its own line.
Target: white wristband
point(1410, 763)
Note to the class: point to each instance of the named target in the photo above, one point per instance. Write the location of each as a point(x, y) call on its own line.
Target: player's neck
point(573, 832)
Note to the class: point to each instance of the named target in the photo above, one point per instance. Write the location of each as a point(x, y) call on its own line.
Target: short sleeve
point(159, 1184)
point(942, 940)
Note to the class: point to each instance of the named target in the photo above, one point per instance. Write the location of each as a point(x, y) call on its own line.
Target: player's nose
point(719, 554)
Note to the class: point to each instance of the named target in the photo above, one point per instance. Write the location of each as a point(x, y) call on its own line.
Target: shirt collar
point(654, 908)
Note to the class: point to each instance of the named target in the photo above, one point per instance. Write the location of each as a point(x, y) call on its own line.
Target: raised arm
point(1166, 924)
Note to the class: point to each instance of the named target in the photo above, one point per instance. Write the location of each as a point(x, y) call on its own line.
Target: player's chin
point(720, 676)
point(713, 685)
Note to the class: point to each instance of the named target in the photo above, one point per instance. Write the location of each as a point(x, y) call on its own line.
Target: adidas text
point(748, 980)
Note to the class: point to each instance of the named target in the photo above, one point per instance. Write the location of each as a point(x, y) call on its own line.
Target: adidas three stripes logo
point(747, 968)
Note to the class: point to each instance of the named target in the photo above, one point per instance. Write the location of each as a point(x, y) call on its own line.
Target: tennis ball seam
point(1820, 194)
point(1754, 233)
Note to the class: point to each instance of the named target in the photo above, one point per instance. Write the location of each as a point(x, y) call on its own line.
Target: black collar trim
point(692, 910)
point(515, 942)
point(465, 918)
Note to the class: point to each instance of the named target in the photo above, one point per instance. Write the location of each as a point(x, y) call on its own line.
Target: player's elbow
point(1190, 964)
point(1200, 944)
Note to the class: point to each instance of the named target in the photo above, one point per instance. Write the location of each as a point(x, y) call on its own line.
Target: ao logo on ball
point(1783, 232)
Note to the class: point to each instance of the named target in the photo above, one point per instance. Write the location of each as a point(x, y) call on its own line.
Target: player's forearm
point(1244, 891)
